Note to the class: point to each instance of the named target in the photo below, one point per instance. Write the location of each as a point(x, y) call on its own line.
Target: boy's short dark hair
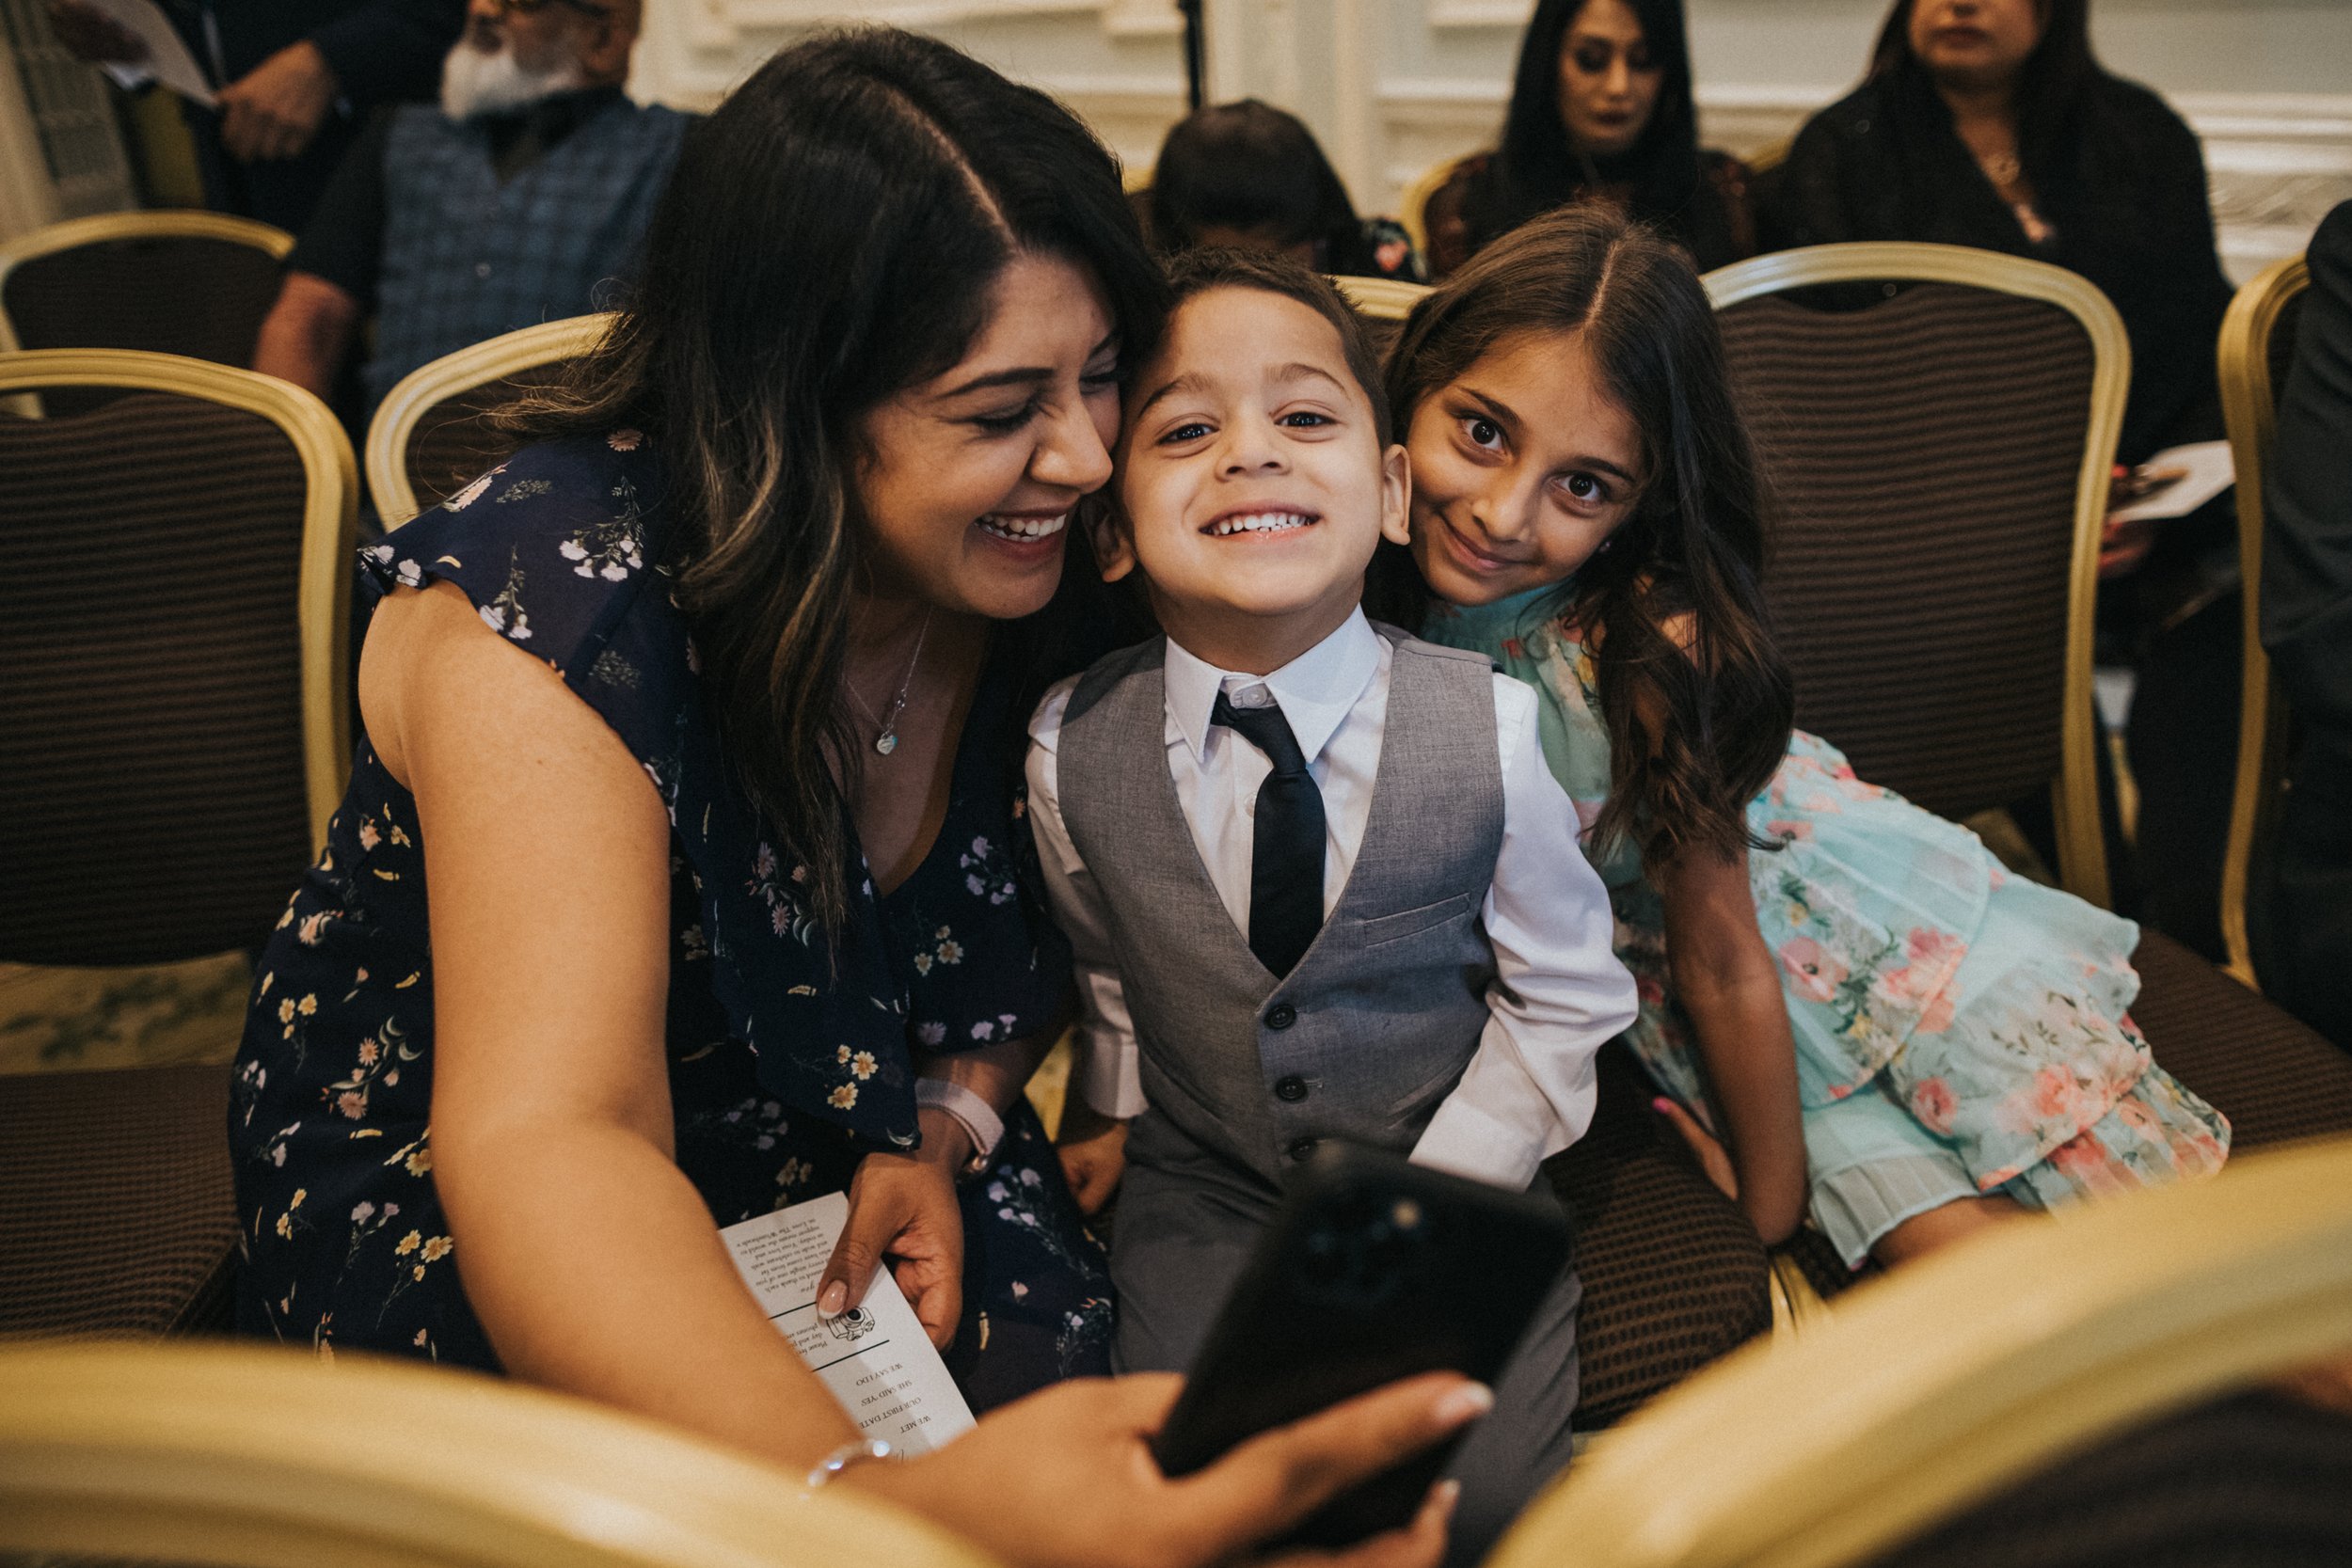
point(1196, 271)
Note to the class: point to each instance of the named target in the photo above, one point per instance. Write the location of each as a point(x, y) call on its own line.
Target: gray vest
point(1373, 1029)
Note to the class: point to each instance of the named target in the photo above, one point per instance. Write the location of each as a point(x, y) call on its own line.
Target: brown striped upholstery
point(2252, 1480)
point(1674, 1274)
point(179, 294)
point(115, 1213)
point(2274, 1078)
point(1924, 453)
point(152, 788)
point(453, 441)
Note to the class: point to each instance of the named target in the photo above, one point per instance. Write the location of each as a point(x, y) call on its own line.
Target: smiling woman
point(1601, 110)
point(700, 718)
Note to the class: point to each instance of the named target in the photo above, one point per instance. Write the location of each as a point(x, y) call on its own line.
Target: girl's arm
point(1727, 982)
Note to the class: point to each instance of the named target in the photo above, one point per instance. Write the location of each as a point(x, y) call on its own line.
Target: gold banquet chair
point(1936, 1391)
point(175, 570)
point(267, 1457)
point(168, 282)
point(1940, 453)
point(430, 434)
point(2257, 345)
point(1413, 206)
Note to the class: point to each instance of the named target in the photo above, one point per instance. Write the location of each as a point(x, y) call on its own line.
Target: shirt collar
point(1316, 691)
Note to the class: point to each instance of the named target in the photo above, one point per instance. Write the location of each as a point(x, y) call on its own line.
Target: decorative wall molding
point(1461, 14)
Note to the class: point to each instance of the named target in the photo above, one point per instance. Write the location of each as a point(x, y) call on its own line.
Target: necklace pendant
point(886, 742)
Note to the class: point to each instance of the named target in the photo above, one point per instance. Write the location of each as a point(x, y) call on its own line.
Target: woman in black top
point(1990, 123)
point(1601, 109)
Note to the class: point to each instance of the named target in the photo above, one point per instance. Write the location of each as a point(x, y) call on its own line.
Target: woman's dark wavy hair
point(1250, 166)
point(2058, 86)
point(830, 237)
point(1692, 550)
point(1535, 169)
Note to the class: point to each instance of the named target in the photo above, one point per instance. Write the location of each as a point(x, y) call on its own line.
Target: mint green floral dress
point(1960, 1030)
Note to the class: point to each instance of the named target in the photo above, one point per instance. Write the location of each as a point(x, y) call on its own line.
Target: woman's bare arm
point(588, 1256)
point(1727, 982)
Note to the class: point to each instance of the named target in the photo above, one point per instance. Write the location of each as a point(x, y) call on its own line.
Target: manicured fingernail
point(1465, 1403)
point(831, 1299)
point(1445, 1495)
point(1662, 1104)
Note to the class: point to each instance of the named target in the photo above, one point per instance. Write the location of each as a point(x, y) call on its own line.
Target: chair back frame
point(175, 223)
point(269, 1457)
point(422, 389)
point(1413, 206)
point(329, 530)
point(2074, 793)
point(2249, 410)
point(1984, 1363)
point(1386, 299)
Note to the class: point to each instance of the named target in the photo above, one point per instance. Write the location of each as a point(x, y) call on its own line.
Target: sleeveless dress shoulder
point(1960, 1030)
point(789, 1049)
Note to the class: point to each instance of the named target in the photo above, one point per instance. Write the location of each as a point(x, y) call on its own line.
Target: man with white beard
point(519, 198)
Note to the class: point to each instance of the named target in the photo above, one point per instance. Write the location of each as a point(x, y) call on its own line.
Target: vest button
point(1281, 1016)
point(1292, 1088)
point(481, 269)
point(1301, 1147)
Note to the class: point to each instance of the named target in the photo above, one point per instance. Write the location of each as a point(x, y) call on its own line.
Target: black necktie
point(1286, 850)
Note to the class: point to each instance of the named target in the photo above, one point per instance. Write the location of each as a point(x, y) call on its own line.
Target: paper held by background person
point(167, 58)
point(874, 1357)
point(2180, 480)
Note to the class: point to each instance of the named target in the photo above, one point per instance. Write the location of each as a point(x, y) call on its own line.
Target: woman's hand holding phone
point(1065, 1478)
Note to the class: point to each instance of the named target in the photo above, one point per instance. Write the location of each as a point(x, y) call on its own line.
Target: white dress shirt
point(1558, 993)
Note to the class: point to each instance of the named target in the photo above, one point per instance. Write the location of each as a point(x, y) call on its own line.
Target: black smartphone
point(1373, 1270)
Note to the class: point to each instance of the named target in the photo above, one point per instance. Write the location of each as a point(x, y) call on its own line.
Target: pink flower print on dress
point(1814, 972)
point(2084, 1159)
point(2055, 1094)
point(1787, 831)
point(626, 440)
point(1935, 1104)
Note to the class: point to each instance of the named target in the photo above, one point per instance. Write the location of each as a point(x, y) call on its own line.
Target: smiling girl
point(1852, 1008)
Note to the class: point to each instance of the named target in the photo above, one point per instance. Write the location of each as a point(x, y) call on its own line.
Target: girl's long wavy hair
point(829, 238)
point(1536, 168)
point(1690, 554)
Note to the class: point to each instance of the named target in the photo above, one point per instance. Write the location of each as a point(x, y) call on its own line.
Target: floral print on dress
point(1995, 1009)
point(789, 1050)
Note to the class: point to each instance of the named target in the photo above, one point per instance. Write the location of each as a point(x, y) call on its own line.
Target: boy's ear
point(1396, 496)
point(1114, 547)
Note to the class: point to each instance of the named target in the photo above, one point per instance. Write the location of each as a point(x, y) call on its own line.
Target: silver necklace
point(887, 741)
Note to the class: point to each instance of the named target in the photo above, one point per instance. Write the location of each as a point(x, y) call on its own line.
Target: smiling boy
point(1316, 875)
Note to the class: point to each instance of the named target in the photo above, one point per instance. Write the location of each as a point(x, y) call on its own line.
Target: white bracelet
point(977, 1117)
point(847, 1455)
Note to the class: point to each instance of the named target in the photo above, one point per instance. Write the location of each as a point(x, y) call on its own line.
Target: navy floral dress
point(790, 1053)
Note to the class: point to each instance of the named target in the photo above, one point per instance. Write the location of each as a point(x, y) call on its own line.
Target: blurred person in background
point(1601, 110)
point(1246, 176)
point(293, 84)
point(506, 204)
point(1990, 124)
point(2306, 949)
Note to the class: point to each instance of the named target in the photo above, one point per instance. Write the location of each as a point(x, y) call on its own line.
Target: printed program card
point(875, 1357)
